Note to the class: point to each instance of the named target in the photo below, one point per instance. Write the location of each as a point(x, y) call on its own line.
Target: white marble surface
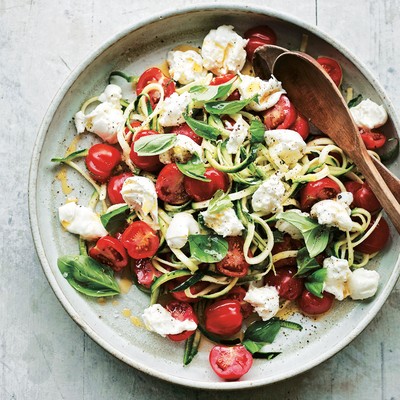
point(43, 353)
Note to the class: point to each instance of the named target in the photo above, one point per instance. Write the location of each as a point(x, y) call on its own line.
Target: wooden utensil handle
point(391, 180)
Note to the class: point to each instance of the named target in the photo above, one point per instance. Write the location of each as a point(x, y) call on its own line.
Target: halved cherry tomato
point(181, 311)
point(220, 80)
point(140, 240)
point(289, 287)
point(186, 130)
point(233, 264)
point(322, 189)
point(377, 240)
point(281, 115)
point(181, 296)
point(372, 140)
point(114, 187)
point(101, 160)
point(238, 293)
point(170, 185)
point(145, 272)
point(200, 191)
point(146, 163)
point(224, 317)
point(301, 126)
point(363, 196)
point(333, 68)
point(287, 244)
point(230, 362)
point(155, 75)
point(313, 305)
point(111, 252)
point(258, 36)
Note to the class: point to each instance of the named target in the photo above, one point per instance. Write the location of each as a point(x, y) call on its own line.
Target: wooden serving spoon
point(316, 96)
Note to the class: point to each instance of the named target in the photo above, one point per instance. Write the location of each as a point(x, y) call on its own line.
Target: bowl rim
point(34, 171)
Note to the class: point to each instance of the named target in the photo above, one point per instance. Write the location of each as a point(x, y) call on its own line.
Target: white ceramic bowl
point(134, 50)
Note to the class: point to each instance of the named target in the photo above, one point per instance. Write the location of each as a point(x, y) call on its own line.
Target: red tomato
point(287, 244)
point(140, 240)
point(155, 75)
point(301, 126)
point(223, 317)
point(186, 130)
point(313, 305)
point(101, 160)
point(170, 185)
point(111, 252)
point(200, 191)
point(363, 196)
point(322, 189)
point(181, 311)
point(233, 264)
point(235, 95)
point(220, 80)
point(146, 163)
point(288, 286)
point(258, 36)
point(377, 240)
point(282, 115)
point(194, 289)
point(230, 362)
point(238, 293)
point(372, 140)
point(145, 272)
point(333, 68)
point(114, 187)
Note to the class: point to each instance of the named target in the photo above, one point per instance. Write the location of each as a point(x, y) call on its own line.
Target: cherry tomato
point(288, 286)
point(238, 293)
point(258, 36)
point(313, 305)
point(145, 272)
point(230, 362)
point(233, 264)
point(322, 189)
point(146, 163)
point(287, 244)
point(301, 126)
point(220, 80)
point(181, 311)
point(181, 296)
point(200, 191)
point(155, 75)
point(114, 187)
point(186, 130)
point(282, 115)
point(140, 240)
point(372, 140)
point(223, 317)
point(333, 68)
point(377, 240)
point(235, 95)
point(111, 252)
point(170, 185)
point(363, 196)
point(101, 160)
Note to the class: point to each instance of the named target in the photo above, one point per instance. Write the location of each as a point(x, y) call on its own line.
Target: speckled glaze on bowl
point(133, 50)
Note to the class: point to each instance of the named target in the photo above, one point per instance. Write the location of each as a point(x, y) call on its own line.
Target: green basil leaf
point(115, 220)
point(202, 128)
point(194, 168)
point(88, 276)
point(72, 156)
point(154, 144)
point(219, 202)
point(315, 282)
point(227, 107)
point(260, 333)
point(208, 93)
point(208, 248)
point(305, 263)
point(257, 130)
point(353, 102)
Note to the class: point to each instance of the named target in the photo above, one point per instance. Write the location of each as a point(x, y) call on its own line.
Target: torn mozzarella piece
point(225, 222)
point(269, 195)
point(369, 115)
point(185, 66)
point(173, 108)
point(363, 283)
point(237, 135)
point(265, 300)
point(338, 274)
point(182, 225)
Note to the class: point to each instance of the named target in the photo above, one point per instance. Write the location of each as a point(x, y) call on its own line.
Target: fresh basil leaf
point(315, 282)
point(72, 156)
point(208, 248)
point(202, 128)
point(115, 220)
point(154, 144)
point(219, 202)
point(353, 102)
point(257, 130)
point(227, 107)
point(194, 168)
point(208, 93)
point(305, 263)
point(88, 276)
